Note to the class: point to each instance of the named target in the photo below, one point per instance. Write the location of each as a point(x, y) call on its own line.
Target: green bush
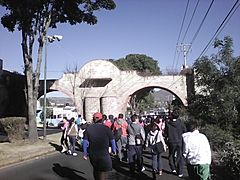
point(231, 159)
point(217, 137)
point(13, 127)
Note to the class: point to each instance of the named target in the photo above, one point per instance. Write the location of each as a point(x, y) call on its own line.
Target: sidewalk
point(11, 153)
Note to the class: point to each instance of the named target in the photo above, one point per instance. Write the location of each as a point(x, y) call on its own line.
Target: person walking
point(79, 121)
point(174, 130)
point(95, 145)
point(197, 152)
point(136, 138)
point(121, 125)
point(64, 140)
point(153, 138)
point(72, 133)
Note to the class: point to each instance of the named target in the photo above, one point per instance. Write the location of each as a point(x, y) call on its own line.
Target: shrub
point(13, 127)
point(231, 159)
point(216, 136)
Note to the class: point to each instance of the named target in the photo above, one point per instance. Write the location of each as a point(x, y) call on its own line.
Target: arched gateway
point(101, 86)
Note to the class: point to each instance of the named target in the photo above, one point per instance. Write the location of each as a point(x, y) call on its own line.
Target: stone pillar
point(109, 105)
point(92, 105)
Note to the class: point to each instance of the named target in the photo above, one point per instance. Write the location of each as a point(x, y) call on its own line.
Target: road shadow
point(66, 172)
point(122, 171)
point(56, 146)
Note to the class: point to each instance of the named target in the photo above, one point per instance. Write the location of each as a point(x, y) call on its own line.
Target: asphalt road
point(59, 166)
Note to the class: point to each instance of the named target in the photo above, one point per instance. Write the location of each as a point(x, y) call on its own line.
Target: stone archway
point(101, 86)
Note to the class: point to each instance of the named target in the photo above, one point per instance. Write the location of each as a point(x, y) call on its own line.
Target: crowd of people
point(126, 138)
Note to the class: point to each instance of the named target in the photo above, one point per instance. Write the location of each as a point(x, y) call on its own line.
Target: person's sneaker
point(143, 169)
point(74, 154)
point(63, 150)
point(180, 175)
point(174, 171)
point(160, 173)
point(69, 152)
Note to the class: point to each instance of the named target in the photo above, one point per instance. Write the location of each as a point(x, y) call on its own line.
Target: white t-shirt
point(196, 148)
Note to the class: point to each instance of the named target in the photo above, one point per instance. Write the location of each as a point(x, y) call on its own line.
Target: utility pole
point(185, 49)
point(49, 39)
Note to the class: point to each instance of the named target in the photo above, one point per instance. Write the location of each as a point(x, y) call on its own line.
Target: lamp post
point(48, 39)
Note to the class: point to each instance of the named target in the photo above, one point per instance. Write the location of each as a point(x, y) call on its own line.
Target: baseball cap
point(97, 116)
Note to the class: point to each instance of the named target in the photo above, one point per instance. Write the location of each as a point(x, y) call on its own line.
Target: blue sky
point(148, 27)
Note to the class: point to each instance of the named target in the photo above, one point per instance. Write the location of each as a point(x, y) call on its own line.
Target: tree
point(144, 65)
point(218, 102)
point(33, 19)
point(142, 100)
point(73, 79)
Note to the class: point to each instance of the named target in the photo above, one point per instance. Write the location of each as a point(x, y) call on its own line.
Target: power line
point(200, 26)
point(222, 25)
point(180, 32)
point(190, 22)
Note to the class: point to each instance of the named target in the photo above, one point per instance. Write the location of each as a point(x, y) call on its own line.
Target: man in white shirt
point(197, 152)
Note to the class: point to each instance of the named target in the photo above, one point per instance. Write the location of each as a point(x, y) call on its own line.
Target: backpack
point(138, 137)
point(117, 133)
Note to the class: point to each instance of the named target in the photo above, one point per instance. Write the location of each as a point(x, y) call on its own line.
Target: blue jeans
point(157, 162)
point(121, 144)
point(72, 140)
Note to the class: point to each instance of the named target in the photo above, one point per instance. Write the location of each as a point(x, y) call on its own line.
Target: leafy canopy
point(218, 77)
point(143, 64)
point(28, 15)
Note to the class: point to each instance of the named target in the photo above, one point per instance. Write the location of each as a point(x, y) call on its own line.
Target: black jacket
point(174, 130)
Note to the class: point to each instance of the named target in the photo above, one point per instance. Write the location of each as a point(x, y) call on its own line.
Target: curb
point(11, 154)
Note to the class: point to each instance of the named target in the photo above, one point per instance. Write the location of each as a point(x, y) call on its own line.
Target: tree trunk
point(32, 127)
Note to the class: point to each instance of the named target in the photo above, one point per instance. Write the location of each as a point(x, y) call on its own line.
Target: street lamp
point(48, 39)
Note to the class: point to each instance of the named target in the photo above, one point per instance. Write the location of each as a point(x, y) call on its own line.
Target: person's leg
point(62, 143)
point(99, 175)
point(74, 139)
point(160, 163)
point(203, 172)
point(179, 159)
point(154, 162)
point(171, 157)
point(66, 143)
point(190, 171)
point(71, 144)
point(131, 153)
point(119, 146)
point(138, 150)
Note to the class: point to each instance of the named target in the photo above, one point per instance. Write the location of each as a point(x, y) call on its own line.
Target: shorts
point(101, 163)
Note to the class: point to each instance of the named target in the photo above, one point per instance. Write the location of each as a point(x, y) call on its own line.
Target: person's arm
point(147, 140)
point(114, 147)
point(142, 133)
point(162, 140)
point(85, 146)
point(76, 129)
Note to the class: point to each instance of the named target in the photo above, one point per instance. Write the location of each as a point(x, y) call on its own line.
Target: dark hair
point(71, 121)
point(192, 125)
point(104, 116)
point(111, 117)
point(120, 116)
point(134, 117)
point(175, 114)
